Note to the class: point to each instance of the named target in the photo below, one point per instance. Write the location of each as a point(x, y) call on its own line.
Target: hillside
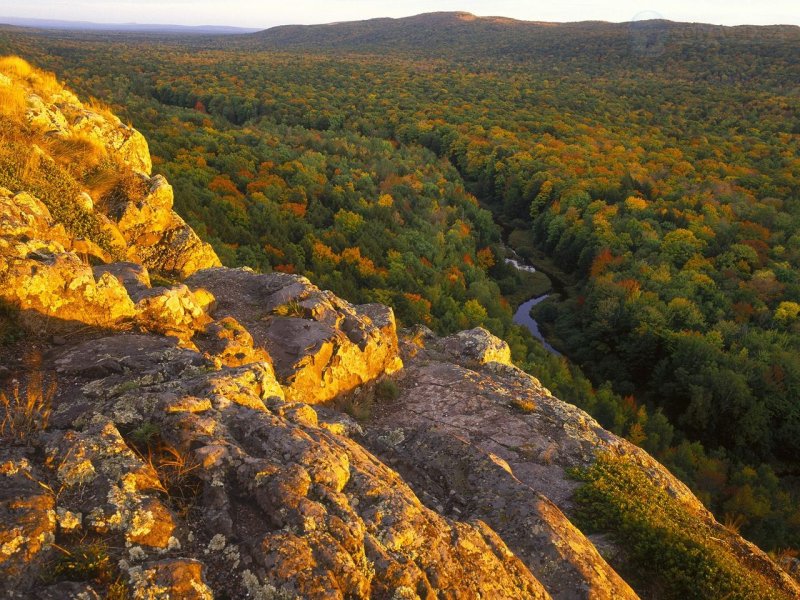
point(591, 46)
point(173, 428)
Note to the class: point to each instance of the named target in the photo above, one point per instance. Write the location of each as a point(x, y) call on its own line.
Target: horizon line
point(257, 28)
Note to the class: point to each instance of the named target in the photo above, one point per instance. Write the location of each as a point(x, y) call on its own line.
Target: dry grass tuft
point(358, 405)
point(79, 153)
point(115, 187)
point(26, 412)
point(13, 101)
point(176, 470)
point(733, 522)
point(101, 108)
point(14, 66)
point(42, 82)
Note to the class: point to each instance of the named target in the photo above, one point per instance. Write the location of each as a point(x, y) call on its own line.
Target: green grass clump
point(672, 554)
point(386, 390)
point(146, 436)
point(10, 331)
point(359, 405)
point(84, 562)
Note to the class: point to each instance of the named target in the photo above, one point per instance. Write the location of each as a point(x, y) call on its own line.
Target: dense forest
point(654, 166)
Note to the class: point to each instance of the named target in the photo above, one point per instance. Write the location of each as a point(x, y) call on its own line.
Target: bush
point(669, 548)
point(386, 390)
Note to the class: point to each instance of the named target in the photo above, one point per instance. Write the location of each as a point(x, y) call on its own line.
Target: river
point(523, 317)
point(523, 314)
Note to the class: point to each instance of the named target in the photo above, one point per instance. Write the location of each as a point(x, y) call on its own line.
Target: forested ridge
point(650, 162)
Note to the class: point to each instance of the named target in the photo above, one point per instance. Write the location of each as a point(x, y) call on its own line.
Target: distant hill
point(461, 34)
point(127, 27)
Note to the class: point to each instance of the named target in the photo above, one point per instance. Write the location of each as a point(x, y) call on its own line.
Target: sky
point(268, 13)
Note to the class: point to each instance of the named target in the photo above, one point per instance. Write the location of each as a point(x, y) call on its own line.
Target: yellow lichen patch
point(68, 521)
point(76, 472)
point(151, 525)
point(13, 545)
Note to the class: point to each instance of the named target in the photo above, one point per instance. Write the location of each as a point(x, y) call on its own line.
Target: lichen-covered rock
point(479, 346)
point(229, 343)
point(174, 578)
point(152, 525)
point(285, 505)
point(27, 518)
point(23, 218)
point(462, 479)
point(320, 345)
point(487, 441)
point(45, 286)
point(45, 281)
point(157, 237)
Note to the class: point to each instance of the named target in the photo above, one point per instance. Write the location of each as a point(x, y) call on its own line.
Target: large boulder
point(320, 345)
point(157, 237)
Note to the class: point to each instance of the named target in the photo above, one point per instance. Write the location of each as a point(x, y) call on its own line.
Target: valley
point(410, 162)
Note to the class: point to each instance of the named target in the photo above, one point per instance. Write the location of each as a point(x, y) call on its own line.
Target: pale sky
point(249, 13)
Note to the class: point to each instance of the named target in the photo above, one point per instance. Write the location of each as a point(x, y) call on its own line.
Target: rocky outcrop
point(134, 210)
point(478, 438)
point(320, 345)
point(60, 113)
point(278, 503)
point(41, 278)
point(156, 236)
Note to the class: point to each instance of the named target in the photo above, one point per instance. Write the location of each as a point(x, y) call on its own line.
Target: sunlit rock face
point(278, 500)
point(321, 346)
point(156, 236)
point(193, 446)
point(133, 208)
point(478, 438)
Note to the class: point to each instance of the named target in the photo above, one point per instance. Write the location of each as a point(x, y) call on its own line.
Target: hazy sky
point(250, 13)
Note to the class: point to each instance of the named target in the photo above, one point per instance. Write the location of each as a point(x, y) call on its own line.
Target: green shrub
point(669, 548)
point(386, 390)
